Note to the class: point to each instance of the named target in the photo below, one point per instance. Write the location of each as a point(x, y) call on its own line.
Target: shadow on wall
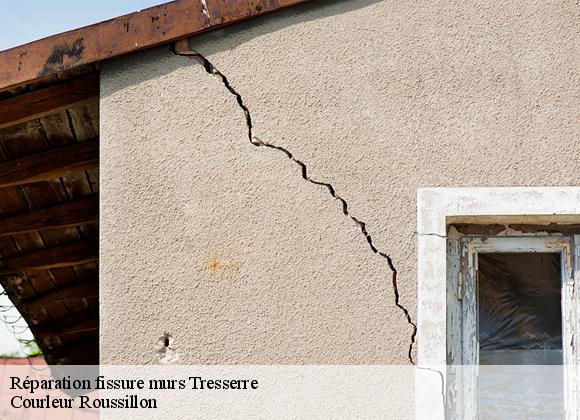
point(230, 37)
point(152, 63)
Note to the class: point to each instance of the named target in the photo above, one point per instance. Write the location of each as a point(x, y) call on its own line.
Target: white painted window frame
point(463, 349)
point(436, 209)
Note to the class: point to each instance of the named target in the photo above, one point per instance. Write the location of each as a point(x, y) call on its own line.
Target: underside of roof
point(49, 208)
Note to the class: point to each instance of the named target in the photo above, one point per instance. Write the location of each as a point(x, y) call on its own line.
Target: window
point(511, 326)
point(474, 246)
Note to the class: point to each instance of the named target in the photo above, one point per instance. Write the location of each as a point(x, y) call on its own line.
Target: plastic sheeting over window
point(520, 327)
point(519, 308)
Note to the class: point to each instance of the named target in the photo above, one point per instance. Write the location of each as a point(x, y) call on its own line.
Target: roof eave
point(125, 34)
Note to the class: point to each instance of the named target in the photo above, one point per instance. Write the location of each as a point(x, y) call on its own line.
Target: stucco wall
point(224, 246)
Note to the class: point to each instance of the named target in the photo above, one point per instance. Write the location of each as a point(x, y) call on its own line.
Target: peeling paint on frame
point(435, 208)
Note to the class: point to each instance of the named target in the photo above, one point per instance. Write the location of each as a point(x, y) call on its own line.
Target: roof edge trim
point(125, 34)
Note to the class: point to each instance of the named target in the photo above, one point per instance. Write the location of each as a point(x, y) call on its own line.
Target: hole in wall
point(166, 351)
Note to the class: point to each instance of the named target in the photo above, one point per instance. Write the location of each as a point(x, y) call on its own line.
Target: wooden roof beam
point(77, 333)
point(133, 32)
point(39, 103)
point(68, 214)
point(51, 164)
point(85, 352)
point(78, 299)
point(65, 255)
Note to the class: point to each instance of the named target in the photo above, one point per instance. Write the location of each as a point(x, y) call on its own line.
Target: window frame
point(463, 349)
point(437, 209)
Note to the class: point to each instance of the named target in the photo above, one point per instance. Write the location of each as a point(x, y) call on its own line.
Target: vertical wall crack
point(210, 68)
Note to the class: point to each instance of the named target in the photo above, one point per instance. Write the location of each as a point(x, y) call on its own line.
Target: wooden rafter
point(63, 215)
point(83, 290)
point(85, 352)
point(41, 102)
point(80, 333)
point(51, 164)
point(65, 255)
point(78, 298)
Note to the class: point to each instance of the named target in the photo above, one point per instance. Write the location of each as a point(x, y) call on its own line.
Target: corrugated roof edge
point(136, 31)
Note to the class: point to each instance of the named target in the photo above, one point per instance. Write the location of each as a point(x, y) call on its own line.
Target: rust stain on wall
point(230, 268)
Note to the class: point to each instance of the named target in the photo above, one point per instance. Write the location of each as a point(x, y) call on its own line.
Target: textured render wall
point(223, 244)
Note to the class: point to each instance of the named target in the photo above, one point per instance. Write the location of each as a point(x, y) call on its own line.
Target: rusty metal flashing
point(124, 34)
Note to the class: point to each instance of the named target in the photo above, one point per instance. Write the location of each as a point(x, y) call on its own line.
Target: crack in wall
point(430, 234)
point(210, 69)
point(205, 11)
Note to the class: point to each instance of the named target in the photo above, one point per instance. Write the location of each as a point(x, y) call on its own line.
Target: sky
point(28, 20)
point(11, 327)
point(24, 21)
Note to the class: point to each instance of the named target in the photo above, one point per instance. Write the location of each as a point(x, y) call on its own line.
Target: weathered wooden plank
point(58, 131)
point(38, 103)
point(17, 286)
point(124, 34)
point(84, 353)
point(76, 298)
point(86, 270)
point(50, 164)
point(16, 142)
point(93, 177)
point(63, 215)
point(66, 255)
point(21, 141)
point(84, 120)
point(63, 278)
point(79, 332)
point(75, 72)
point(469, 329)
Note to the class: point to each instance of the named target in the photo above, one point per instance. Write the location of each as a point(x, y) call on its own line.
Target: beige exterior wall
point(224, 246)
